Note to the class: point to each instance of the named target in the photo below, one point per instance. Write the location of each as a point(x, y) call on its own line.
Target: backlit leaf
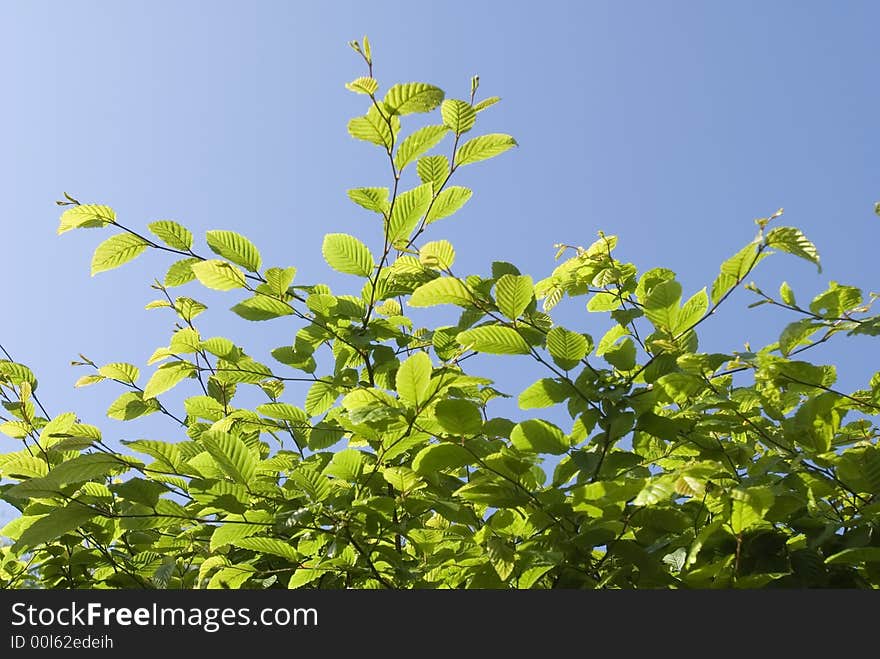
point(116, 250)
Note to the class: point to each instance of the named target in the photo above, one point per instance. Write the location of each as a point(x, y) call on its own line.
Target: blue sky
point(672, 125)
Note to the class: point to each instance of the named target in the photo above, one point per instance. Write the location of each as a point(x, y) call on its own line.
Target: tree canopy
point(641, 462)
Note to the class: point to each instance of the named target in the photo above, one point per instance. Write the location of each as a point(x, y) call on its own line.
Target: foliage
point(669, 467)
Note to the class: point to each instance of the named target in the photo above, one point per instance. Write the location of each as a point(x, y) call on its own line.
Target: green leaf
point(437, 457)
point(229, 533)
point(661, 305)
point(692, 310)
point(443, 290)
point(795, 334)
point(172, 234)
point(680, 387)
point(270, 546)
point(346, 464)
point(116, 250)
point(433, 170)
point(530, 576)
point(485, 103)
point(262, 307)
point(544, 393)
point(54, 525)
point(15, 429)
point(604, 302)
point(855, 556)
point(494, 339)
point(539, 436)
point(305, 575)
point(204, 407)
point(786, 294)
point(128, 373)
point(231, 454)
point(132, 405)
point(793, 241)
point(483, 147)
point(231, 577)
point(28, 466)
point(86, 467)
point(58, 429)
point(448, 201)
point(622, 356)
point(816, 422)
point(363, 85)
point(373, 127)
point(169, 455)
point(437, 254)
point(458, 115)
point(166, 377)
point(655, 491)
point(17, 374)
point(409, 207)
point(283, 411)
point(181, 272)
point(490, 492)
point(188, 308)
point(86, 216)
point(406, 98)
point(567, 348)
point(279, 280)
point(373, 199)
point(502, 557)
point(836, 301)
point(459, 417)
point(320, 398)
point(347, 254)
point(219, 346)
point(417, 143)
point(403, 479)
point(513, 294)
point(748, 507)
point(735, 269)
point(218, 275)
point(236, 248)
point(185, 341)
point(414, 378)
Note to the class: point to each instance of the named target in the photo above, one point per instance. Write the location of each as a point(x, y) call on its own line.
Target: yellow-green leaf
point(409, 207)
point(166, 377)
point(418, 143)
point(437, 254)
point(447, 202)
point(443, 290)
point(513, 293)
point(483, 147)
point(218, 275)
point(414, 377)
point(347, 254)
point(539, 436)
point(566, 348)
point(86, 216)
point(173, 234)
point(363, 85)
point(459, 116)
point(409, 97)
point(437, 457)
point(494, 339)
point(433, 170)
point(373, 199)
point(235, 247)
point(116, 250)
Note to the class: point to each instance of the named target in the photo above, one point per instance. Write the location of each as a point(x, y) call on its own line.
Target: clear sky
point(671, 124)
